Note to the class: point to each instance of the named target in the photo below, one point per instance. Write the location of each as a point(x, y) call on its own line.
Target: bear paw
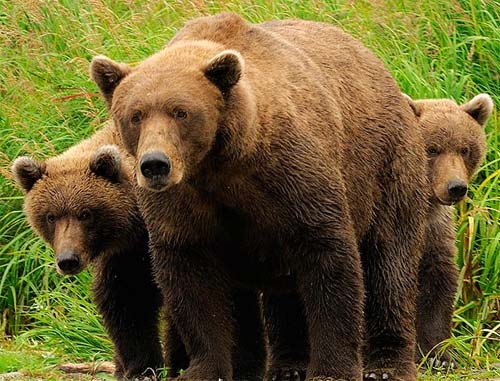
point(436, 363)
point(287, 374)
point(379, 374)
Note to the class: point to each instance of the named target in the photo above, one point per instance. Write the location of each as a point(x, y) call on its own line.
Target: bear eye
point(180, 114)
point(432, 151)
point(84, 216)
point(464, 151)
point(136, 117)
point(51, 218)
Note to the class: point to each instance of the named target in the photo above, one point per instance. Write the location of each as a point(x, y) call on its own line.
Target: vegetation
point(448, 48)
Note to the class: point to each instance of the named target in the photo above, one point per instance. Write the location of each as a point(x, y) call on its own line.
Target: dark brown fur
point(455, 141)
point(87, 207)
point(68, 185)
point(293, 165)
point(456, 145)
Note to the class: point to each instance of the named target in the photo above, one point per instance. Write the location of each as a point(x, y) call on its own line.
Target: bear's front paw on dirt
point(384, 374)
point(287, 374)
point(379, 375)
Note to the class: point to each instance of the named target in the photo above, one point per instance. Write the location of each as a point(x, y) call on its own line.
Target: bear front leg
point(330, 284)
point(197, 294)
point(129, 302)
point(176, 358)
point(249, 356)
point(437, 286)
point(390, 270)
point(286, 330)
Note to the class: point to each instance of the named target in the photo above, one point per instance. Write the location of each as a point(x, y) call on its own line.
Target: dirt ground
point(14, 376)
point(103, 371)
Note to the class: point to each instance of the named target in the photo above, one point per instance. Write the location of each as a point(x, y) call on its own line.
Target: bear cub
point(456, 144)
point(83, 204)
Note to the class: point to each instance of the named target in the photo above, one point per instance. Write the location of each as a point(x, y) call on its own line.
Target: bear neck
point(134, 244)
point(238, 132)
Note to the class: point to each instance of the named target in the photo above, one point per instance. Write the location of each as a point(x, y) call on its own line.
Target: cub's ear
point(414, 106)
point(27, 172)
point(106, 162)
point(480, 108)
point(107, 74)
point(225, 69)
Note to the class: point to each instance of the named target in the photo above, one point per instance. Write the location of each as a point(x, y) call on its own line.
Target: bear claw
point(436, 363)
point(373, 376)
point(288, 374)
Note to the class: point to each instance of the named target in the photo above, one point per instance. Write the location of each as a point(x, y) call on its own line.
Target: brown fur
point(286, 151)
point(67, 186)
point(456, 145)
point(83, 204)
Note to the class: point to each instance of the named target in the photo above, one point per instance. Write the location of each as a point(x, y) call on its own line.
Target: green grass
point(448, 48)
point(35, 364)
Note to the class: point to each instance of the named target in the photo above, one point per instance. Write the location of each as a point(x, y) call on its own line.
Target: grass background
point(447, 48)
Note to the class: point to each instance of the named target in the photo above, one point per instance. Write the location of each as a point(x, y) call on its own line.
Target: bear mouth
point(448, 202)
point(69, 272)
point(159, 183)
point(156, 184)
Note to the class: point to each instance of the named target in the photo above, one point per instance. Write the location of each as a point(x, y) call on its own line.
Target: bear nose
point(457, 189)
point(155, 164)
point(68, 262)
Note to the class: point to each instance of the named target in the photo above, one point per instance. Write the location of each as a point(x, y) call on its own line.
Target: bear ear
point(107, 74)
point(27, 172)
point(480, 108)
point(225, 69)
point(106, 162)
point(414, 106)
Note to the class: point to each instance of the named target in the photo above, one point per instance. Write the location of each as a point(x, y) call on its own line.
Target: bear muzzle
point(457, 190)
point(157, 172)
point(155, 165)
point(69, 263)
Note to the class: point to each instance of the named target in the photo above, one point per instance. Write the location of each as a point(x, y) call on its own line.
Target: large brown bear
point(456, 145)
point(83, 204)
point(274, 156)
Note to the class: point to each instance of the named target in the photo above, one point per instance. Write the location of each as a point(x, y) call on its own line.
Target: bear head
point(456, 142)
point(82, 205)
point(170, 108)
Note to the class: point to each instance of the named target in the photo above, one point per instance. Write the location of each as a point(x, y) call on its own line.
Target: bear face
point(72, 204)
point(455, 141)
point(168, 126)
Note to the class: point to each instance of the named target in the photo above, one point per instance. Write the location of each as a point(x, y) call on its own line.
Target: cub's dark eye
point(464, 151)
point(432, 151)
point(51, 218)
point(180, 114)
point(85, 216)
point(136, 117)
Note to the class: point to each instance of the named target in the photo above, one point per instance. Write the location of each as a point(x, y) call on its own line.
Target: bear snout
point(69, 263)
point(155, 164)
point(457, 189)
